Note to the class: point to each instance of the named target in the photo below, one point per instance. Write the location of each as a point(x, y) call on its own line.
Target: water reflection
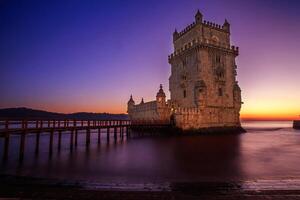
point(258, 154)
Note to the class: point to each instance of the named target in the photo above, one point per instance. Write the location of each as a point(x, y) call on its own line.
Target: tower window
point(184, 93)
point(218, 59)
point(220, 92)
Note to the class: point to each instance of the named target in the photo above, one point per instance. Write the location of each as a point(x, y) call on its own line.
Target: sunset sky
point(70, 56)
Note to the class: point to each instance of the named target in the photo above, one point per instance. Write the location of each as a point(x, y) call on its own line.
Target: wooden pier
point(72, 127)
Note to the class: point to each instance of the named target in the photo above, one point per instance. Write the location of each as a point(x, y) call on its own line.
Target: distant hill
point(27, 113)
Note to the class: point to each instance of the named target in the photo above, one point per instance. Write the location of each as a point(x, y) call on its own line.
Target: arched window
point(184, 93)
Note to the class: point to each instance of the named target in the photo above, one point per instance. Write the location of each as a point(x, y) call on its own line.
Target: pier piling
point(6, 146)
point(37, 142)
point(99, 135)
point(76, 136)
point(59, 140)
point(22, 146)
point(71, 139)
point(51, 142)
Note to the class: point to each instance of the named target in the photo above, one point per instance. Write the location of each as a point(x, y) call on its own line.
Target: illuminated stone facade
point(152, 111)
point(203, 87)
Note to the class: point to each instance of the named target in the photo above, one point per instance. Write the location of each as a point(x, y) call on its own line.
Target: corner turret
point(175, 35)
point(226, 26)
point(198, 17)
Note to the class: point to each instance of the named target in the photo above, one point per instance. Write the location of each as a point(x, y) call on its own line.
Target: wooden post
point(37, 124)
point(76, 136)
point(88, 138)
point(127, 131)
point(41, 124)
point(107, 134)
point(6, 141)
point(88, 134)
point(37, 142)
point(59, 139)
point(74, 129)
point(122, 133)
point(48, 123)
point(51, 142)
point(71, 139)
point(99, 135)
point(115, 133)
point(22, 146)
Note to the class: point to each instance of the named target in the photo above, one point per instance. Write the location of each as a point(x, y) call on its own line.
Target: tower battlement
point(204, 44)
point(205, 23)
point(223, 28)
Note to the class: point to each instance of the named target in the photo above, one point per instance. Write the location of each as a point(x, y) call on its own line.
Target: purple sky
point(70, 56)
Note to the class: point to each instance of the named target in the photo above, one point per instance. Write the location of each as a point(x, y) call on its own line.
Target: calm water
point(268, 151)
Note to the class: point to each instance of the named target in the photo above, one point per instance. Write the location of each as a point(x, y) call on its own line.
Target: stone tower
point(203, 87)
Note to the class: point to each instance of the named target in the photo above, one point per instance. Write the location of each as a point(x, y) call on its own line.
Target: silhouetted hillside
point(27, 113)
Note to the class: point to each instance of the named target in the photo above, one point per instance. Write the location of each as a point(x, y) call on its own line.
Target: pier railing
point(17, 126)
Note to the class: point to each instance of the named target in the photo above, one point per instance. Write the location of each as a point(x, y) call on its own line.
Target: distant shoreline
point(28, 113)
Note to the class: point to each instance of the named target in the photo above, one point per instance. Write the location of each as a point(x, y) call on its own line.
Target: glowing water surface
point(268, 151)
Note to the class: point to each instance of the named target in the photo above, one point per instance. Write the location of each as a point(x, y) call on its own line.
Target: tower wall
point(203, 87)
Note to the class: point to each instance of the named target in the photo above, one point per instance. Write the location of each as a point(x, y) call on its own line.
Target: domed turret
point(161, 96)
point(130, 104)
point(131, 101)
point(161, 92)
point(142, 101)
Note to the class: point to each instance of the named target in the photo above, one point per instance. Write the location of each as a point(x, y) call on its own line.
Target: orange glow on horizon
point(246, 114)
point(268, 117)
